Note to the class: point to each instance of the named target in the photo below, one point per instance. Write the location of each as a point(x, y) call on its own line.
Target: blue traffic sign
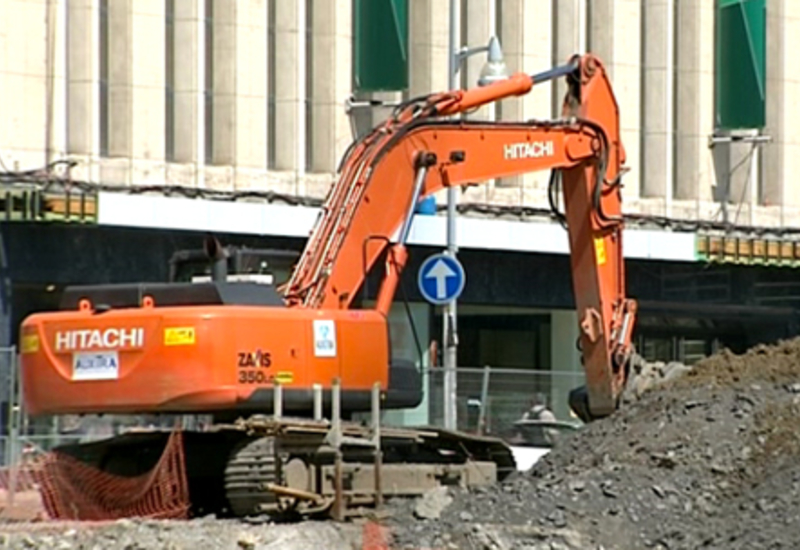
point(441, 279)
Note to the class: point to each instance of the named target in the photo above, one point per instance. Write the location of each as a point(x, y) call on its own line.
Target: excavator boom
point(376, 193)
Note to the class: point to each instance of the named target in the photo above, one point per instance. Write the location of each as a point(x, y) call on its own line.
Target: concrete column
point(224, 69)
point(569, 38)
point(56, 81)
point(147, 102)
point(83, 92)
point(479, 22)
point(331, 59)
point(428, 55)
point(428, 51)
point(527, 46)
point(615, 36)
point(120, 79)
point(565, 358)
point(189, 56)
point(240, 89)
point(657, 64)
point(290, 98)
point(32, 42)
point(695, 99)
point(781, 158)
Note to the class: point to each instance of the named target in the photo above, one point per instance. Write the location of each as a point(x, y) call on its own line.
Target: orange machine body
point(366, 217)
point(195, 359)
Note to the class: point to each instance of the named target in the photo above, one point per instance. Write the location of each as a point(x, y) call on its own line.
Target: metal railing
point(491, 399)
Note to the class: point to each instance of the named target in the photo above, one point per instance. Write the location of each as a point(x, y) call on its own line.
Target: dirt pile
point(710, 459)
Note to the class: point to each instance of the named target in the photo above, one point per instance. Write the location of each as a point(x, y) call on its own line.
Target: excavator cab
point(231, 264)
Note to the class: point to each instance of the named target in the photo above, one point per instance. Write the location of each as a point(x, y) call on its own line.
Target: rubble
point(182, 535)
point(432, 503)
point(701, 457)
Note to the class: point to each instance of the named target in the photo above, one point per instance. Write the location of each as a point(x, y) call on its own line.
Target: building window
point(740, 64)
point(208, 85)
point(169, 92)
point(271, 72)
point(380, 44)
point(103, 79)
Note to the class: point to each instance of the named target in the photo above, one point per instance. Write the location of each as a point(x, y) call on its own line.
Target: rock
point(432, 503)
point(466, 516)
point(607, 490)
point(577, 486)
point(664, 460)
point(720, 469)
point(247, 541)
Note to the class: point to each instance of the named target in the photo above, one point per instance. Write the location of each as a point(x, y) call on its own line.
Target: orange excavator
point(221, 348)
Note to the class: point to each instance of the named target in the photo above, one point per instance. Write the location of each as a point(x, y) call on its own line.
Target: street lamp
point(495, 69)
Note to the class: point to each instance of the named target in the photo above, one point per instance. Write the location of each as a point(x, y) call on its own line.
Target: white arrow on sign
point(440, 271)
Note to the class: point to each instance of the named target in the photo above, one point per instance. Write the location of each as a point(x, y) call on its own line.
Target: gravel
point(128, 534)
point(708, 459)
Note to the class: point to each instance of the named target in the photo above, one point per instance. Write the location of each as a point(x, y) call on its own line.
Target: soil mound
point(707, 459)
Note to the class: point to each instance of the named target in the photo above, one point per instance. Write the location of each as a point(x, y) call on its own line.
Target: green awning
point(380, 45)
point(741, 64)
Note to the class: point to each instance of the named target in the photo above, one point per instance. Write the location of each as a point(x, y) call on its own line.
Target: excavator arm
point(417, 153)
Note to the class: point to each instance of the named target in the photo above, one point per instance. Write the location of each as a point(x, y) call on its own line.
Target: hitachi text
point(95, 338)
point(528, 149)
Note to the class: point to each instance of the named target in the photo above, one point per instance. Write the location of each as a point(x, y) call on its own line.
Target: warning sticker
point(600, 250)
point(30, 343)
point(179, 336)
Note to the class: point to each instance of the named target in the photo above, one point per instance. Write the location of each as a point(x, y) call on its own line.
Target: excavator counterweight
point(221, 348)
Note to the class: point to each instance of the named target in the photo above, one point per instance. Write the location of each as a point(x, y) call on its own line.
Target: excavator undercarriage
point(288, 468)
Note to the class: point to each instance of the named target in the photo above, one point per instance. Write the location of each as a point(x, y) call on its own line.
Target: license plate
point(95, 366)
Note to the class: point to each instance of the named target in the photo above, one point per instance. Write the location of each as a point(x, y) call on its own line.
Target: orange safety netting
point(73, 490)
point(18, 478)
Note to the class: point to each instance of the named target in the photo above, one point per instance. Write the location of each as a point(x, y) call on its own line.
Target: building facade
point(251, 94)
point(224, 97)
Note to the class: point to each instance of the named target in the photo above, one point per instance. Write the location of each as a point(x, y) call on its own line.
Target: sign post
point(441, 281)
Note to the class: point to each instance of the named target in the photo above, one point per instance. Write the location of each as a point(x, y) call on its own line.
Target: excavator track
point(251, 466)
point(287, 468)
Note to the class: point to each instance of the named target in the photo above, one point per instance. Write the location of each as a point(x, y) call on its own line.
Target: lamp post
point(494, 69)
